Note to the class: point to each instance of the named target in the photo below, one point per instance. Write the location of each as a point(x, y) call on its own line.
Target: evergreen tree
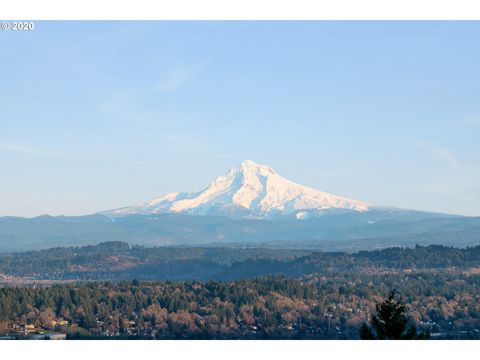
point(366, 333)
point(391, 322)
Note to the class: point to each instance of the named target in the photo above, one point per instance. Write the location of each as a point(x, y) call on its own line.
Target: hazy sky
point(99, 115)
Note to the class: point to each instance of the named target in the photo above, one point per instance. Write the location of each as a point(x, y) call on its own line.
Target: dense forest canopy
point(221, 293)
point(317, 307)
point(119, 260)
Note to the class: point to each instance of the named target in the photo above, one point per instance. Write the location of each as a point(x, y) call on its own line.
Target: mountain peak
point(249, 191)
point(251, 166)
point(248, 163)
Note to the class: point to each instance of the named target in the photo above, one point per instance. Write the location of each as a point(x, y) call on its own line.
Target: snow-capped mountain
point(248, 191)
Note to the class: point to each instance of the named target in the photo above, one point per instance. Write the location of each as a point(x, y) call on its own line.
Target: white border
point(239, 9)
point(240, 350)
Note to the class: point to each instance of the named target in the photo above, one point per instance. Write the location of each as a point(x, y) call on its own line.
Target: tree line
point(333, 306)
point(118, 260)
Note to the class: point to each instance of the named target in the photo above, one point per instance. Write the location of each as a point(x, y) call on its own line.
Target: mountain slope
point(349, 231)
point(250, 191)
point(251, 205)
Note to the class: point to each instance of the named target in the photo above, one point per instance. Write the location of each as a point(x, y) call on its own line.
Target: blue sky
point(98, 115)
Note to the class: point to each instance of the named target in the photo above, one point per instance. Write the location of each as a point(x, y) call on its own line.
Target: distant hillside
point(352, 231)
point(117, 261)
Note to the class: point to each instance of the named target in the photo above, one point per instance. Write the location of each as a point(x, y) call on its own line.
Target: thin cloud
point(177, 77)
point(26, 149)
point(472, 121)
point(35, 151)
point(117, 102)
point(444, 154)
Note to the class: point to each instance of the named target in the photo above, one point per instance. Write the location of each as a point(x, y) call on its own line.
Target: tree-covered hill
point(119, 260)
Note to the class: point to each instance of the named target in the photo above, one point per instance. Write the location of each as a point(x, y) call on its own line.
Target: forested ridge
point(119, 260)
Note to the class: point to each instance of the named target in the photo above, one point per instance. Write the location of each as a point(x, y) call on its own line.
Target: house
point(60, 323)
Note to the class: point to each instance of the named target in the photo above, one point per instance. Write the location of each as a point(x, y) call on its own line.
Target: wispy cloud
point(117, 102)
point(37, 151)
point(125, 106)
point(444, 154)
point(177, 77)
point(472, 121)
point(27, 149)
